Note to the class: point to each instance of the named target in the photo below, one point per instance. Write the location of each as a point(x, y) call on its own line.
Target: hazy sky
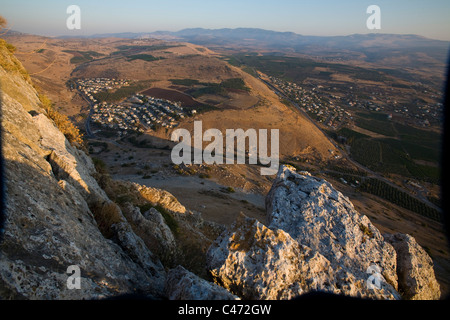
point(308, 17)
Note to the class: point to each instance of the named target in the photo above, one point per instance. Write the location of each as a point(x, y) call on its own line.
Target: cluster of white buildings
point(138, 113)
point(331, 109)
point(89, 87)
point(323, 107)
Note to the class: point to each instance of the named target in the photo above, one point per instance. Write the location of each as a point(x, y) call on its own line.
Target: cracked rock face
point(416, 278)
point(255, 262)
point(151, 226)
point(315, 241)
point(49, 225)
point(320, 217)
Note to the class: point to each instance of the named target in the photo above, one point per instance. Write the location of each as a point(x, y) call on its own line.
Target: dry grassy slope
point(183, 60)
point(49, 68)
point(298, 136)
point(12, 75)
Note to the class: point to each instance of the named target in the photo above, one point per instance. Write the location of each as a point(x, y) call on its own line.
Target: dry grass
point(9, 62)
point(70, 131)
point(106, 214)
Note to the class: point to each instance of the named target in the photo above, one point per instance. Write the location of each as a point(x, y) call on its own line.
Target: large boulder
point(314, 241)
point(152, 228)
point(416, 278)
point(255, 262)
point(321, 218)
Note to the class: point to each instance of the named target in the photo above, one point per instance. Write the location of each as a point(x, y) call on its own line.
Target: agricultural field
point(82, 56)
point(411, 152)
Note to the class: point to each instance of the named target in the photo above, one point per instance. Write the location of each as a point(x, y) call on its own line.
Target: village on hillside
point(136, 113)
point(328, 107)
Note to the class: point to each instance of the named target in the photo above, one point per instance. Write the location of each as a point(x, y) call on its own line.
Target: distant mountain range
point(268, 37)
point(373, 46)
point(390, 50)
point(291, 39)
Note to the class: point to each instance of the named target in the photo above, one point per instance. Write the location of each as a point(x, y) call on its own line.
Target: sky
point(307, 17)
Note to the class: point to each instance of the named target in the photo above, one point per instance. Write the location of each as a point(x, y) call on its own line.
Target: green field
point(198, 89)
point(378, 126)
point(144, 57)
point(298, 69)
point(185, 82)
point(82, 56)
point(128, 48)
point(122, 93)
point(398, 154)
point(398, 197)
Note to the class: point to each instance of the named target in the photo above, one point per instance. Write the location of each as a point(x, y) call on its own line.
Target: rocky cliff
point(50, 224)
point(125, 238)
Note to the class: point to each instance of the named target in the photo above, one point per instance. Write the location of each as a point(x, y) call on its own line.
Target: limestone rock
point(48, 223)
point(136, 249)
point(255, 262)
point(184, 285)
point(416, 276)
point(67, 162)
point(162, 198)
point(152, 228)
point(321, 218)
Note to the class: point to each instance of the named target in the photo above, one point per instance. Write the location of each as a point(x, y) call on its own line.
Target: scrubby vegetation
point(144, 57)
point(199, 89)
point(70, 131)
point(366, 230)
point(106, 214)
point(9, 62)
point(82, 56)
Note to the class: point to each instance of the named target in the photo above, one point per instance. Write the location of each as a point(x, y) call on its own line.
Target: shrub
point(9, 62)
point(231, 190)
point(100, 165)
point(70, 131)
point(365, 230)
point(170, 220)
